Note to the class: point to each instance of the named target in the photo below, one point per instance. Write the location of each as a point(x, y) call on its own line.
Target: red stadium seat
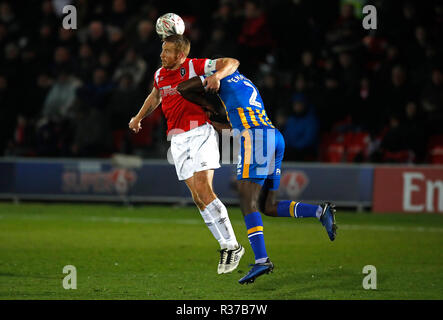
point(356, 144)
point(332, 147)
point(436, 155)
point(435, 149)
point(335, 152)
point(403, 156)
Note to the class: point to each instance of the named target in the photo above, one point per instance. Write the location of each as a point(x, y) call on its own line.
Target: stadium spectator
point(61, 96)
point(47, 14)
point(9, 112)
point(67, 39)
point(96, 37)
point(117, 44)
point(126, 95)
point(105, 62)
point(255, 37)
point(42, 84)
point(432, 100)
point(398, 92)
point(309, 70)
point(45, 44)
point(62, 61)
point(119, 14)
point(301, 131)
point(147, 46)
point(132, 64)
point(272, 95)
point(346, 32)
point(12, 66)
point(394, 145)
point(85, 63)
point(225, 31)
point(95, 94)
point(355, 78)
point(9, 20)
point(331, 107)
point(415, 131)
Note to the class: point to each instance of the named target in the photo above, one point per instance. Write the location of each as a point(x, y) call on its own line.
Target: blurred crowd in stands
point(338, 92)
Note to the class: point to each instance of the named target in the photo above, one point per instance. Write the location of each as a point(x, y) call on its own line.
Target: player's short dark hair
point(182, 44)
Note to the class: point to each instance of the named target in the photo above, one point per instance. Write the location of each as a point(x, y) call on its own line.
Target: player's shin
point(219, 213)
point(294, 209)
point(212, 226)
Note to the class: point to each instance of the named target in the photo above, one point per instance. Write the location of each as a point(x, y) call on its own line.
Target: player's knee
point(270, 209)
point(249, 205)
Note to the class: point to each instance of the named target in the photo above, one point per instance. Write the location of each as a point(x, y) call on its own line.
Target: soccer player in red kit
point(194, 143)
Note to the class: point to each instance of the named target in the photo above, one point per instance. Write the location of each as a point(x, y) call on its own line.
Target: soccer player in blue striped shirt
point(259, 167)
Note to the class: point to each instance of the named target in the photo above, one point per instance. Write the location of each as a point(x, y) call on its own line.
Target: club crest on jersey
point(182, 72)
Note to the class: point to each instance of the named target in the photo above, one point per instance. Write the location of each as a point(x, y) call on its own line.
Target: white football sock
point(212, 226)
point(219, 213)
point(318, 212)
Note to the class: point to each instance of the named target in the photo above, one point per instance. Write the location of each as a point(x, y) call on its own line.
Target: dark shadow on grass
point(8, 274)
point(302, 283)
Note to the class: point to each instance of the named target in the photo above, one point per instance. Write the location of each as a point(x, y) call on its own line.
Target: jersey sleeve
point(204, 67)
point(156, 75)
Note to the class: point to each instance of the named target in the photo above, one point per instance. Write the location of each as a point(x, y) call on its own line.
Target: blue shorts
point(261, 153)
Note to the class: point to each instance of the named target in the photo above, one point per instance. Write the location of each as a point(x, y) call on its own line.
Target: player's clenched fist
point(212, 84)
point(135, 124)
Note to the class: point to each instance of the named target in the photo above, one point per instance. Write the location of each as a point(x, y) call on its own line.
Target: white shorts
point(195, 150)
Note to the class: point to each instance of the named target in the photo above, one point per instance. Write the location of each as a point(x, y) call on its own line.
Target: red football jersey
point(179, 112)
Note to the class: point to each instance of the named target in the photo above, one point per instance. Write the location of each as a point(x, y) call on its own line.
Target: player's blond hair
point(182, 44)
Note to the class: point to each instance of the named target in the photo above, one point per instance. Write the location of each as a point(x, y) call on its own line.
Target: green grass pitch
point(166, 252)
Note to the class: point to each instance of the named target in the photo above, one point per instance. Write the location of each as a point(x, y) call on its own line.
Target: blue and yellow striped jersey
point(243, 104)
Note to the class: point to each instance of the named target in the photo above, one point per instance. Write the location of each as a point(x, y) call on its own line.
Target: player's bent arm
point(151, 103)
point(193, 90)
point(224, 67)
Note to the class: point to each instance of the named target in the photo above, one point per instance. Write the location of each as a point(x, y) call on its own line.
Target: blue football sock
point(254, 226)
point(296, 209)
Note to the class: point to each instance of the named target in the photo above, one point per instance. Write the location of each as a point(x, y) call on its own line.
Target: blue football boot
point(257, 270)
point(327, 219)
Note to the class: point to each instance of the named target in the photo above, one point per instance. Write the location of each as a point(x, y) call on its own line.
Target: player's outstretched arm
point(150, 104)
point(224, 67)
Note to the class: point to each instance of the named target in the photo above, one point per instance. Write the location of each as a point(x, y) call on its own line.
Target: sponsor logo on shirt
point(168, 91)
